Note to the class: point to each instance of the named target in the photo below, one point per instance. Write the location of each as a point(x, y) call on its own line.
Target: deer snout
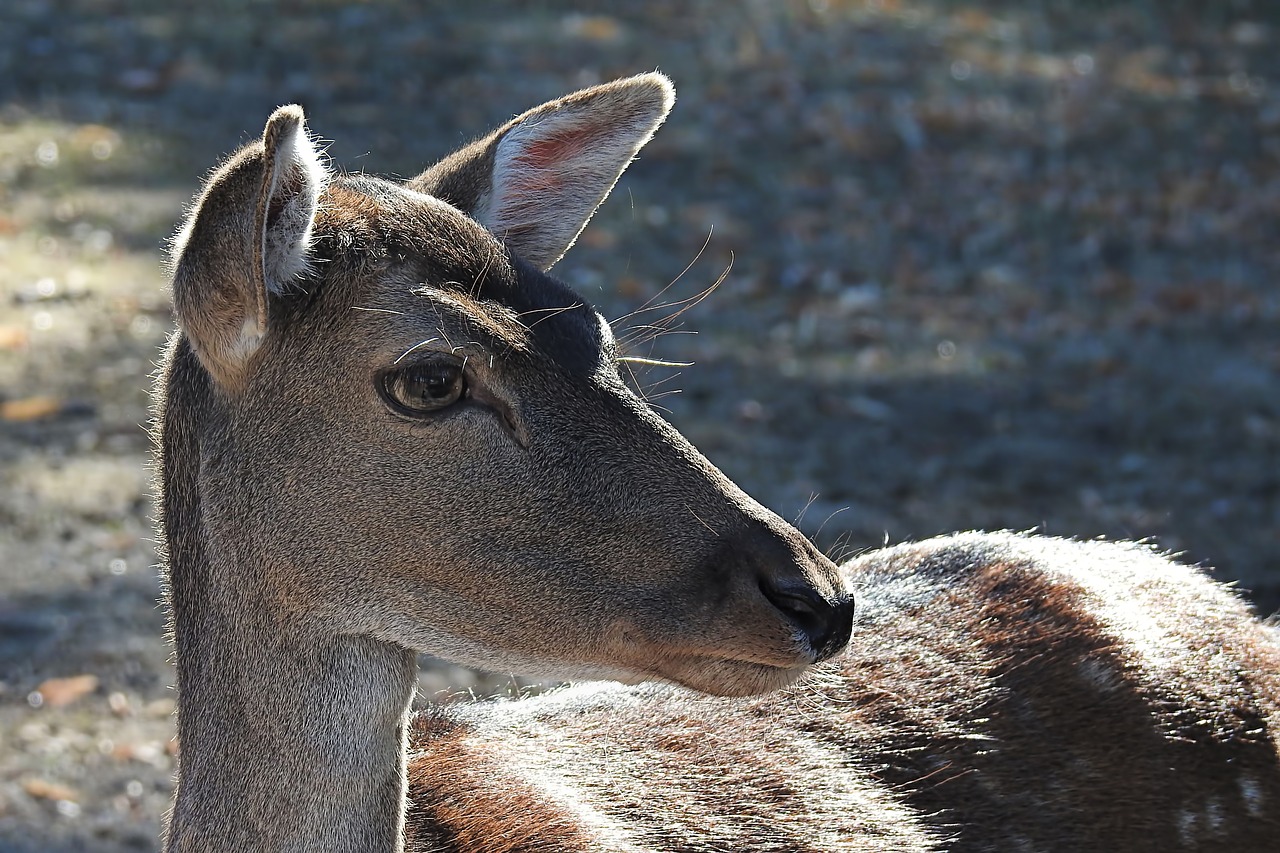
point(824, 620)
point(803, 587)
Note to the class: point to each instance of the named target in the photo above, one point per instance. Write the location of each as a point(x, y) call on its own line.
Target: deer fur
point(1000, 693)
point(320, 527)
point(383, 428)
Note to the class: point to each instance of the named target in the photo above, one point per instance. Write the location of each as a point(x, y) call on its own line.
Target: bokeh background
point(994, 265)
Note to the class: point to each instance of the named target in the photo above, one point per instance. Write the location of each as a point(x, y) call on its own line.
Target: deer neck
point(291, 748)
point(290, 738)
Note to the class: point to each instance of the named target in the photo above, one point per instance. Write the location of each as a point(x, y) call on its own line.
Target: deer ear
point(537, 181)
point(247, 238)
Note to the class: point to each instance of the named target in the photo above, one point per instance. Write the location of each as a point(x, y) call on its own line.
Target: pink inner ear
point(541, 164)
point(548, 151)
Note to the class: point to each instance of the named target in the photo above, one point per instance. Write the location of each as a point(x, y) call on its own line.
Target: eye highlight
point(425, 387)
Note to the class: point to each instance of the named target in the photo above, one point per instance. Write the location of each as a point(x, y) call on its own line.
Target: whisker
point(670, 284)
point(700, 521)
point(414, 347)
point(653, 362)
point(828, 518)
point(635, 381)
point(474, 290)
point(698, 298)
point(649, 388)
point(685, 304)
point(524, 314)
point(643, 326)
point(377, 310)
point(654, 332)
point(842, 548)
point(813, 496)
point(549, 313)
point(673, 303)
point(635, 335)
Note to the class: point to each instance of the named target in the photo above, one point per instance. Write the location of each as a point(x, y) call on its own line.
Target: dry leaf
point(13, 337)
point(29, 408)
point(58, 692)
point(40, 789)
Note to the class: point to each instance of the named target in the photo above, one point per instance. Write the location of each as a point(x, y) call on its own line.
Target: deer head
point(407, 430)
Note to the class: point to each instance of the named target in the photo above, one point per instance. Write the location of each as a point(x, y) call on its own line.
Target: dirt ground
point(993, 266)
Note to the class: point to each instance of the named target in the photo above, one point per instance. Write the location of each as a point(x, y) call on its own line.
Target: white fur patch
point(250, 336)
point(1251, 792)
point(1187, 820)
point(1213, 815)
point(296, 185)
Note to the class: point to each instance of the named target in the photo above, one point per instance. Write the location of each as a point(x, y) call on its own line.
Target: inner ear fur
point(247, 237)
point(536, 181)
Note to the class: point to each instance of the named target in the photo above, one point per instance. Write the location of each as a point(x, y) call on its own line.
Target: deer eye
point(425, 387)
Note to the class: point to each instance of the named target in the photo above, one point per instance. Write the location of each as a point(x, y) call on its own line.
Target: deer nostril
point(825, 624)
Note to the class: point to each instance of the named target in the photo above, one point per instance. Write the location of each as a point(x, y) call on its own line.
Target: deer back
point(1000, 693)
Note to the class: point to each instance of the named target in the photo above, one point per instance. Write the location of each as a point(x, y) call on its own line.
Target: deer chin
point(716, 674)
point(728, 677)
point(479, 654)
point(718, 669)
point(710, 675)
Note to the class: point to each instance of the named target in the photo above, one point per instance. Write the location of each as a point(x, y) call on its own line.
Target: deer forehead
point(427, 270)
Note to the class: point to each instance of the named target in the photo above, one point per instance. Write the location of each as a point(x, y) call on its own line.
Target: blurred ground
point(994, 265)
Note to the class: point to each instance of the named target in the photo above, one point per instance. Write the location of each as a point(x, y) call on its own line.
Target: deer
point(382, 427)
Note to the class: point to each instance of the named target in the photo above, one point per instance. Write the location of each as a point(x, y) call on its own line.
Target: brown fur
point(1000, 693)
